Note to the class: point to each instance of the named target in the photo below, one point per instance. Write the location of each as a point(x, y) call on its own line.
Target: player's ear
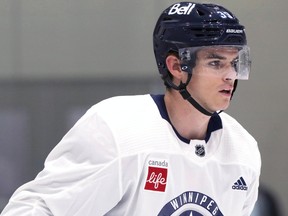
point(174, 67)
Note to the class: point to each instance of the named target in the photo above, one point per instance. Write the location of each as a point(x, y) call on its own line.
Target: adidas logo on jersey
point(240, 184)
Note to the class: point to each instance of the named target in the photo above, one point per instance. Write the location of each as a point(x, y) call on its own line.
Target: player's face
point(213, 77)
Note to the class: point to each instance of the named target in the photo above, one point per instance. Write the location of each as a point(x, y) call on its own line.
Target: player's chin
point(223, 105)
point(220, 103)
point(217, 105)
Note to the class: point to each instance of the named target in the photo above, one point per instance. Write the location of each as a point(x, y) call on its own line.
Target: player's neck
point(188, 121)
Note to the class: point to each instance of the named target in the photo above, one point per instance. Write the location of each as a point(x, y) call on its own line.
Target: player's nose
point(230, 74)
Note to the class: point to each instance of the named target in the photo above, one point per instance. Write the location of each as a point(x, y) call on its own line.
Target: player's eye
point(215, 64)
point(234, 64)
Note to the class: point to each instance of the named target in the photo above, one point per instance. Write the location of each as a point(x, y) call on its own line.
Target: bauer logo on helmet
point(236, 31)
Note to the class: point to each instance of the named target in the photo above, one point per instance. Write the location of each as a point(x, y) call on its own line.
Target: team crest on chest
point(200, 150)
point(191, 203)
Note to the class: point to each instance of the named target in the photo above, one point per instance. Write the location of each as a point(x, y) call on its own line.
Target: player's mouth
point(226, 92)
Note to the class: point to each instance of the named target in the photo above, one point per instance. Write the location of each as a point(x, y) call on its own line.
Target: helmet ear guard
point(186, 66)
point(168, 79)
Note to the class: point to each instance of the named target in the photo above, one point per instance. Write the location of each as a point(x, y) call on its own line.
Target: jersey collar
point(214, 124)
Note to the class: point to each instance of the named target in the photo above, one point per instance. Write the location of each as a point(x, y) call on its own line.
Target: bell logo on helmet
point(184, 10)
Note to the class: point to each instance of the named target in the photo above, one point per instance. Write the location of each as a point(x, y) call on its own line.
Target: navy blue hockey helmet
point(184, 26)
point(188, 24)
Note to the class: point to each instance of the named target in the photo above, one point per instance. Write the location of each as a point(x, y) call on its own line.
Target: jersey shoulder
point(238, 145)
point(120, 107)
point(119, 104)
point(233, 128)
point(134, 122)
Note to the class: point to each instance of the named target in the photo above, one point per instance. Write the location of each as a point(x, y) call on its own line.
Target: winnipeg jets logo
point(190, 213)
point(191, 203)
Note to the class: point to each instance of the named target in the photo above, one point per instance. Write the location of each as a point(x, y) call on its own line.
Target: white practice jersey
point(123, 158)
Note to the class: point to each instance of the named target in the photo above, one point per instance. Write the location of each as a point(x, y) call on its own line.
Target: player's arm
point(253, 188)
point(81, 176)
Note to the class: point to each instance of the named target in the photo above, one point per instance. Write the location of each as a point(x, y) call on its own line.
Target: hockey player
point(171, 154)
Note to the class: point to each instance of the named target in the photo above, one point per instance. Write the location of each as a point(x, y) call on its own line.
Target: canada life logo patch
point(157, 176)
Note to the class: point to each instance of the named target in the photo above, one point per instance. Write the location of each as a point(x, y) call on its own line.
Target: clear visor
point(217, 60)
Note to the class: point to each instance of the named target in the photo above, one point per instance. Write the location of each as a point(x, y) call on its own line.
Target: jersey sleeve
point(81, 175)
point(252, 196)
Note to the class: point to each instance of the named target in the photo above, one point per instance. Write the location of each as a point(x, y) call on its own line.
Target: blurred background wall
point(59, 57)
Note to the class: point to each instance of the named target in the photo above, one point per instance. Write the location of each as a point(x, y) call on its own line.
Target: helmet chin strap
point(186, 95)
